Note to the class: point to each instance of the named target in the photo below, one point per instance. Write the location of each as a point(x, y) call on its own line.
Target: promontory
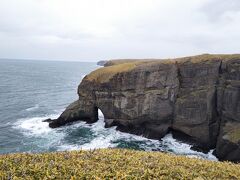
point(197, 96)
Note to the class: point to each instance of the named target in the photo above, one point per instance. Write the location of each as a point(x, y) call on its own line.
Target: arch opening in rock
point(100, 114)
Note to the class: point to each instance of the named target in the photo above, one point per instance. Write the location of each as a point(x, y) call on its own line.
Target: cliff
point(197, 96)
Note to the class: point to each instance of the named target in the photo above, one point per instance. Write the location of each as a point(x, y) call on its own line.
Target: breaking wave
point(81, 135)
point(33, 108)
point(34, 126)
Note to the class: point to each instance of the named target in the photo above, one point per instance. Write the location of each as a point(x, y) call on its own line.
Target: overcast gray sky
point(91, 30)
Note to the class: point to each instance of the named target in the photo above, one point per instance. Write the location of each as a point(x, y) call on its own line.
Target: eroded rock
point(198, 96)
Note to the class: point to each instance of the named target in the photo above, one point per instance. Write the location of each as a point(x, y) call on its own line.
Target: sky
point(92, 30)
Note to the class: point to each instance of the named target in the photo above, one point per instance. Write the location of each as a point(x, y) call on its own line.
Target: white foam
point(33, 108)
point(101, 138)
point(105, 137)
point(185, 149)
point(34, 126)
point(99, 142)
point(100, 114)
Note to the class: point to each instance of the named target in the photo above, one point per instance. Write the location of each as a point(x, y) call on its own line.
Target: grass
point(119, 61)
point(106, 73)
point(114, 67)
point(208, 58)
point(193, 59)
point(112, 164)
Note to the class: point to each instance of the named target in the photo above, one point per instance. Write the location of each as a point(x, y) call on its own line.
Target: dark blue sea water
point(31, 91)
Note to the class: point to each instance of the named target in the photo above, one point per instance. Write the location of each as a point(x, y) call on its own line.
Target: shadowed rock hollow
point(197, 96)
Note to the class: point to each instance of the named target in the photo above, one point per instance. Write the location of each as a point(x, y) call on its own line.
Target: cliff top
point(193, 59)
point(113, 67)
point(105, 73)
point(112, 163)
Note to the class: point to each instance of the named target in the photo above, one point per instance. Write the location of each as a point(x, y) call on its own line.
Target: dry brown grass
point(114, 67)
point(193, 59)
point(112, 164)
point(208, 57)
point(106, 73)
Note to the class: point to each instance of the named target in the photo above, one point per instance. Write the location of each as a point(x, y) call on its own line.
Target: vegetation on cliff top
point(112, 164)
point(208, 57)
point(106, 73)
point(192, 59)
point(114, 67)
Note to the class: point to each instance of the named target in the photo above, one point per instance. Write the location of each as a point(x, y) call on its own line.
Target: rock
point(101, 63)
point(78, 110)
point(109, 123)
point(197, 96)
point(228, 144)
point(48, 120)
point(195, 108)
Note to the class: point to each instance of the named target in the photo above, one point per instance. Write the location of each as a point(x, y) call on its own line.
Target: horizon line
point(56, 60)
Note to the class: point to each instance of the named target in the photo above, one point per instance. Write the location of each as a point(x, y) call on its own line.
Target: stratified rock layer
point(198, 96)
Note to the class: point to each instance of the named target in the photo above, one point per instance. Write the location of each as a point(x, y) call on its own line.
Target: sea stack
point(198, 96)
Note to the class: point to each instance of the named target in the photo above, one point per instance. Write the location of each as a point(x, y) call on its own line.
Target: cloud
point(105, 29)
point(217, 9)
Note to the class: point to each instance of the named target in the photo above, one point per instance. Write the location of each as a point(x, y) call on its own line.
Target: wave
point(181, 148)
point(108, 138)
point(34, 126)
point(33, 108)
point(61, 139)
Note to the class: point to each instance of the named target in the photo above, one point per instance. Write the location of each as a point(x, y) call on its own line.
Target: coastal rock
point(48, 120)
point(101, 63)
point(78, 110)
point(195, 108)
point(197, 96)
point(228, 144)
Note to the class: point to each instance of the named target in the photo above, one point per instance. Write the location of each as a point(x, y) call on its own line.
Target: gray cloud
point(106, 29)
point(216, 9)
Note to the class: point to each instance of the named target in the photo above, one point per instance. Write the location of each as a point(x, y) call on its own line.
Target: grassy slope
point(106, 73)
point(193, 59)
point(114, 67)
point(113, 163)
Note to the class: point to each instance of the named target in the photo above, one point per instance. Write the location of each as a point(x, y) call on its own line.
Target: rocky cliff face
point(198, 96)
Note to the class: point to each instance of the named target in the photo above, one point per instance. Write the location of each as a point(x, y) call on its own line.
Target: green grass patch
point(112, 164)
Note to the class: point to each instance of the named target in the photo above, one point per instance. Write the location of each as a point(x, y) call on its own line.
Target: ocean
point(34, 90)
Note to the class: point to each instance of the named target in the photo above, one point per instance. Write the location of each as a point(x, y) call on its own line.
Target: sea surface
point(33, 90)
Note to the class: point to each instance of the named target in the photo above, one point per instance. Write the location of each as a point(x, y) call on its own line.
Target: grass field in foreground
point(112, 164)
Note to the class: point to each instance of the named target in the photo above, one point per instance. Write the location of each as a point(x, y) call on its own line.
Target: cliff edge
point(198, 96)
